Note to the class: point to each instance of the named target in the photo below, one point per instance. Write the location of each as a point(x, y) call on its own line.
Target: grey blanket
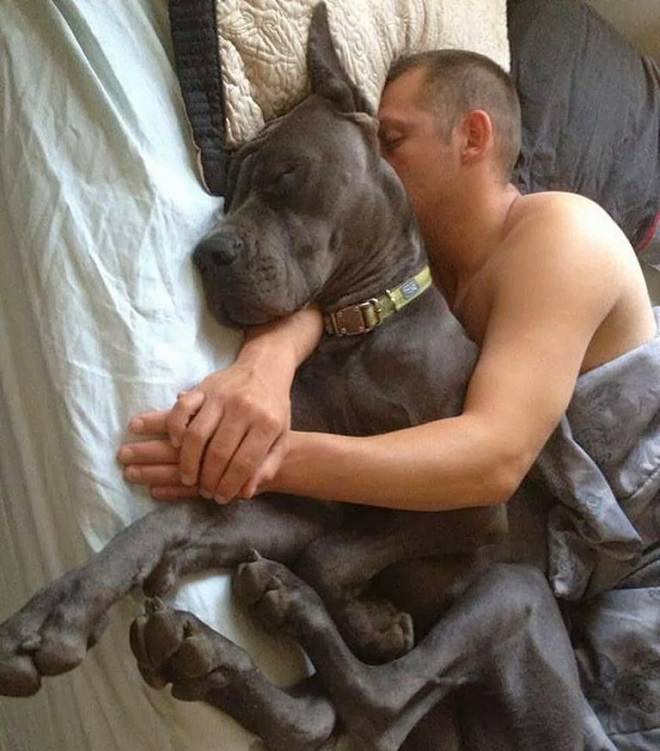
point(597, 534)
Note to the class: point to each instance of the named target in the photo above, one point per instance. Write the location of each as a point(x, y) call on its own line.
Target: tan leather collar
point(363, 317)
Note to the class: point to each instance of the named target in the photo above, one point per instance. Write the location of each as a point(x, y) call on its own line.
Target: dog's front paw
point(275, 595)
point(50, 634)
point(375, 630)
point(172, 646)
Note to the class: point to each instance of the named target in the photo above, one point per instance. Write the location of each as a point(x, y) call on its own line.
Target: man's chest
point(472, 304)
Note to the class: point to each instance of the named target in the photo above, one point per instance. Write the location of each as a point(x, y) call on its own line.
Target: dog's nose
point(221, 247)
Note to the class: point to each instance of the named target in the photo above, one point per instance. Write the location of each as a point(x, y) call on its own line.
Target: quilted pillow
point(242, 62)
point(263, 43)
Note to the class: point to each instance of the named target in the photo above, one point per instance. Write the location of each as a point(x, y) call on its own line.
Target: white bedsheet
point(101, 315)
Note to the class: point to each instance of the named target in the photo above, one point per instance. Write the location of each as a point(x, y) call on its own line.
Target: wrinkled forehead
point(312, 131)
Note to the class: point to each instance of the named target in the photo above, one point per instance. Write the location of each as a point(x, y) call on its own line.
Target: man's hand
point(227, 426)
point(231, 431)
point(220, 433)
point(155, 463)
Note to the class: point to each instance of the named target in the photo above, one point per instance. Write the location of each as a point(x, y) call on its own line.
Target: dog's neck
point(369, 314)
point(386, 260)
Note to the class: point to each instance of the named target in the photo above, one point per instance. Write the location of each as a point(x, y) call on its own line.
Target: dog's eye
point(283, 182)
point(286, 175)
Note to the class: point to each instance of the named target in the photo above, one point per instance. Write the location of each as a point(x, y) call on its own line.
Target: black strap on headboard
point(197, 60)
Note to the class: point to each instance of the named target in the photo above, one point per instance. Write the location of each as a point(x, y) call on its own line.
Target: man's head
point(442, 111)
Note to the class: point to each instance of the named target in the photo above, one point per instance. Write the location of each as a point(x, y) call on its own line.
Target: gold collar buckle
point(356, 319)
point(363, 317)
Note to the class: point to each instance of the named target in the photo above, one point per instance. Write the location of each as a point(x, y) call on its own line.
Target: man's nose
point(221, 247)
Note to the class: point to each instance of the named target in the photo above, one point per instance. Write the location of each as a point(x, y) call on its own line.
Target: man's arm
point(557, 282)
point(225, 428)
point(552, 289)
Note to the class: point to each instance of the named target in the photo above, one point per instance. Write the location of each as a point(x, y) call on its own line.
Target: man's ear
point(477, 136)
point(328, 77)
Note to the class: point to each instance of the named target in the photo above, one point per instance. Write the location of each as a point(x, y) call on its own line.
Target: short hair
point(458, 81)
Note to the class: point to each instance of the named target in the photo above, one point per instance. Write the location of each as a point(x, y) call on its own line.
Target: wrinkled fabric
point(590, 105)
point(602, 466)
point(101, 316)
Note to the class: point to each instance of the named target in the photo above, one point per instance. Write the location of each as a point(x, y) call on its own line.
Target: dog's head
point(312, 212)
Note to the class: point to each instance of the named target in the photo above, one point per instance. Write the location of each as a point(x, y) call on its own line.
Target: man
point(545, 284)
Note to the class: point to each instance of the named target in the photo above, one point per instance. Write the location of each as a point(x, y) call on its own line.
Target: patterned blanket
point(602, 529)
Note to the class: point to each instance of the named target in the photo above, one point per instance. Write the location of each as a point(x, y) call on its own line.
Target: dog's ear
point(368, 124)
point(328, 77)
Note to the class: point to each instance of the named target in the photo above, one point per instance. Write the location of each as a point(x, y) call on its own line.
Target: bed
point(104, 193)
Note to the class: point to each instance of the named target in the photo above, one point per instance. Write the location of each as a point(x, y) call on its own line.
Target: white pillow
point(263, 43)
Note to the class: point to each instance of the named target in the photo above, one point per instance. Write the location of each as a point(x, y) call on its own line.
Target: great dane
point(314, 214)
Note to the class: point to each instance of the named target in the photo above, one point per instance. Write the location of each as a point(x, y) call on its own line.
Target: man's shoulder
point(558, 250)
point(553, 227)
point(538, 211)
point(559, 247)
point(564, 257)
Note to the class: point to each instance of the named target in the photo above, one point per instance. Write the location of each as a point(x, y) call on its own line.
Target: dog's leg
point(172, 646)
point(54, 630)
point(505, 633)
point(340, 567)
point(439, 730)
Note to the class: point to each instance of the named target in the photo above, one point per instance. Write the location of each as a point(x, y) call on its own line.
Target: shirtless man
point(546, 284)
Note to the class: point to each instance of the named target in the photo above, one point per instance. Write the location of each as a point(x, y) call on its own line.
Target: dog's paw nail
point(153, 605)
point(31, 643)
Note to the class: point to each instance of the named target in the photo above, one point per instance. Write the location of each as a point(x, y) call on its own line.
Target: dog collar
point(363, 317)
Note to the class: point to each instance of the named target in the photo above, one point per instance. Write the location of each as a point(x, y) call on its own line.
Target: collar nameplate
point(368, 315)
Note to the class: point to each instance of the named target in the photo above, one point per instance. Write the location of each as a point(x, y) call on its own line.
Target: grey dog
point(314, 214)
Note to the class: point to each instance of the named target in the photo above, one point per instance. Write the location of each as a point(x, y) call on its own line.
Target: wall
point(638, 20)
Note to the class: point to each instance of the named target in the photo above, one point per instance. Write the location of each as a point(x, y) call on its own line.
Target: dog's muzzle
point(220, 248)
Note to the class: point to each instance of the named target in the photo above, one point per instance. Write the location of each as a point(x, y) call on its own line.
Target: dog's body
point(316, 215)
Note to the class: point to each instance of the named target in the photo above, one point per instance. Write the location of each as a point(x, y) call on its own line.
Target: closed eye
point(390, 140)
point(285, 184)
point(390, 144)
point(283, 179)
point(285, 173)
